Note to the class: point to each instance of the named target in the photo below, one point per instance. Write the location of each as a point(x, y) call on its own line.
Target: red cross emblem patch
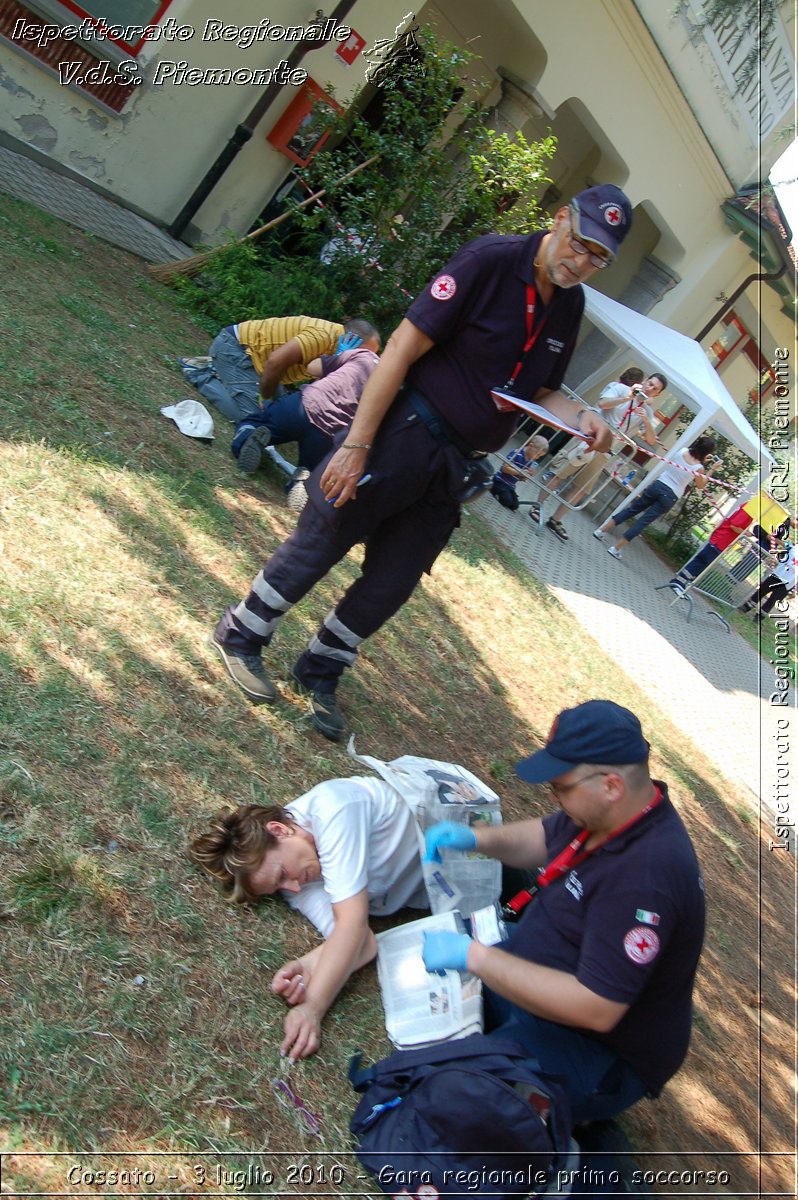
point(613, 215)
point(443, 288)
point(641, 944)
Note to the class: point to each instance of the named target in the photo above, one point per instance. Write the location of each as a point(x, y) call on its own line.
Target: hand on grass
point(291, 982)
point(302, 1033)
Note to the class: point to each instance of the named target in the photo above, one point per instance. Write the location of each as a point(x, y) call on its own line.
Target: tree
point(444, 176)
point(432, 189)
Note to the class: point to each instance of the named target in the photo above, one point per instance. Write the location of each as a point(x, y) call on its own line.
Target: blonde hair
point(539, 442)
point(235, 845)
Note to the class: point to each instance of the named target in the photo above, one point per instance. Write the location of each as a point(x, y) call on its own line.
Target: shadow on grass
point(138, 738)
point(147, 1017)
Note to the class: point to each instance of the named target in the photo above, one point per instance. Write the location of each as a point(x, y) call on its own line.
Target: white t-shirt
point(678, 477)
point(365, 837)
point(615, 417)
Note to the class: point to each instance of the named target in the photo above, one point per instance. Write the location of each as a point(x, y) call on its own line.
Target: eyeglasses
point(560, 789)
point(289, 1100)
point(595, 260)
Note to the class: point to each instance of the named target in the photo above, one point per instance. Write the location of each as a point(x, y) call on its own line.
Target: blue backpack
point(466, 1118)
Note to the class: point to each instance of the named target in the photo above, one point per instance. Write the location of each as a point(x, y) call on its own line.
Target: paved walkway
point(712, 684)
point(79, 205)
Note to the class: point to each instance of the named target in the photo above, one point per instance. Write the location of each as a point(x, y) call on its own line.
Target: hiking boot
point(246, 670)
point(296, 497)
point(558, 529)
point(615, 552)
point(324, 711)
point(599, 533)
point(251, 453)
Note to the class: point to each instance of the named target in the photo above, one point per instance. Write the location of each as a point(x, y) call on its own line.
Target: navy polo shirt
point(629, 923)
point(475, 312)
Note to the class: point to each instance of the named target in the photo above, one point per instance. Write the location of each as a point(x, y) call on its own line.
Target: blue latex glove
point(448, 834)
point(348, 341)
point(445, 951)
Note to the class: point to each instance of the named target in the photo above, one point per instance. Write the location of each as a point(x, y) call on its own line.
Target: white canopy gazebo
point(691, 378)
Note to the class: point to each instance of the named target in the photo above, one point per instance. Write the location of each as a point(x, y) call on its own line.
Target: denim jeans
point(657, 498)
point(231, 382)
point(699, 562)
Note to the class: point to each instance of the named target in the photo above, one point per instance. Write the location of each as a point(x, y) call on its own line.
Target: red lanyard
point(634, 404)
point(571, 856)
point(531, 336)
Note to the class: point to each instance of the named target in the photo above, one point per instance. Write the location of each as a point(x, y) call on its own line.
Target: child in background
point(505, 481)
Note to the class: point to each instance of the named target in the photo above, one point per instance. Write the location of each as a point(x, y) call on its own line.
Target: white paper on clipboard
point(503, 399)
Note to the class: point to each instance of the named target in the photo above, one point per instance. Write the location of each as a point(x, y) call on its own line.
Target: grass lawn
point(135, 1011)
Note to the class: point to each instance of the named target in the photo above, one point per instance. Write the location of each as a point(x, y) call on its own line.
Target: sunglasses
point(288, 1099)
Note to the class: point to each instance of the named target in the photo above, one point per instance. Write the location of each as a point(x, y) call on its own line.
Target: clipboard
point(505, 400)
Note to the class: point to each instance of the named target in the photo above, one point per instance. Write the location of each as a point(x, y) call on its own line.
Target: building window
point(90, 48)
point(728, 339)
point(95, 24)
point(122, 22)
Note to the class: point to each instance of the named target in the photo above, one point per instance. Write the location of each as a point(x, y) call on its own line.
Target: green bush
point(397, 222)
point(245, 283)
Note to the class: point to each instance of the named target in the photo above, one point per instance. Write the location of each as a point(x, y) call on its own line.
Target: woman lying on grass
point(345, 850)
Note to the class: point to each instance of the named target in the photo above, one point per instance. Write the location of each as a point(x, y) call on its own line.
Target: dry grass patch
point(135, 1010)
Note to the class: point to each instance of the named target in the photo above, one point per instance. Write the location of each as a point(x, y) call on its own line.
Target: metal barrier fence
point(729, 580)
point(572, 483)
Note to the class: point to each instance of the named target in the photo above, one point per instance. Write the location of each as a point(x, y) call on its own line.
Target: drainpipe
point(243, 132)
point(786, 261)
point(738, 291)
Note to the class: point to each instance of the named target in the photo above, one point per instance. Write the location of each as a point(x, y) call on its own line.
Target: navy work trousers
point(287, 421)
point(599, 1084)
point(404, 515)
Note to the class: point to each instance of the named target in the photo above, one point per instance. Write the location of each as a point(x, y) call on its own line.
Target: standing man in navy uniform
point(597, 977)
point(503, 313)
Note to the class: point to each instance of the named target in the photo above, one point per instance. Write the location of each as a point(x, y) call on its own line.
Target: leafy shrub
point(396, 223)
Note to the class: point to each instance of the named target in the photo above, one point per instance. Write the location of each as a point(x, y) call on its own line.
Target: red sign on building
point(349, 50)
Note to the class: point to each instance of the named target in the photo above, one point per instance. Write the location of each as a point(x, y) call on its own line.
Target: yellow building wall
point(155, 152)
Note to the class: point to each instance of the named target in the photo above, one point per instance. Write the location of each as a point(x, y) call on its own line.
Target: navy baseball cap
point(602, 214)
point(598, 731)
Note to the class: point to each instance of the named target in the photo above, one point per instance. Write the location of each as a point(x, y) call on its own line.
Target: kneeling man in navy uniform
point(596, 978)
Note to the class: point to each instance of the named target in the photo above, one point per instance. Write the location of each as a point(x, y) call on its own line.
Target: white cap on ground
point(191, 418)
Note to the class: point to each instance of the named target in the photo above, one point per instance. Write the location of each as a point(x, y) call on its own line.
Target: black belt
point(440, 429)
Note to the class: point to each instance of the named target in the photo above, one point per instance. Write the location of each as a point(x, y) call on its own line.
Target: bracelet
point(356, 446)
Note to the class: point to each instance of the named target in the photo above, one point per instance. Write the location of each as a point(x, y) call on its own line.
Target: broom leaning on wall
point(166, 272)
